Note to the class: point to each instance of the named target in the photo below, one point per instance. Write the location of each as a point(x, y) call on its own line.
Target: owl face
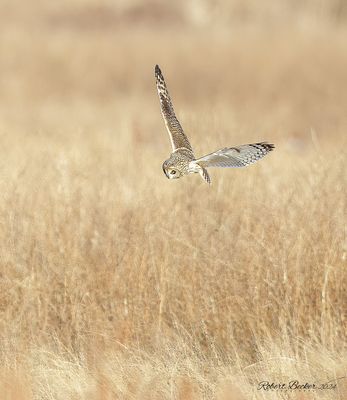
point(171, 171)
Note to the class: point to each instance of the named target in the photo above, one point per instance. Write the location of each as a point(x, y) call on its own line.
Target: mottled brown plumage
point(177, 136)
point(182, 160)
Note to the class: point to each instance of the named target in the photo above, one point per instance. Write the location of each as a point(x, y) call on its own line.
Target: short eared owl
point(182, 160)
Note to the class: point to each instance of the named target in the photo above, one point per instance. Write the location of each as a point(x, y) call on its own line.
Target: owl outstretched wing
point(239, 156)
point(177, 137)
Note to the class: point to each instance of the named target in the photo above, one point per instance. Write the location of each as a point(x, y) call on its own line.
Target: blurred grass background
point(117, 283)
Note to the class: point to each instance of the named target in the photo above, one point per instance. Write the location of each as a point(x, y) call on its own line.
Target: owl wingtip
point(268, 146)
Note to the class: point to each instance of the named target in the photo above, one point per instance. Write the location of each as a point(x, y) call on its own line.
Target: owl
point(182, 160)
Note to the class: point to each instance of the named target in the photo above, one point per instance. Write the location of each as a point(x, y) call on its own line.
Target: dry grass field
point(116, 283)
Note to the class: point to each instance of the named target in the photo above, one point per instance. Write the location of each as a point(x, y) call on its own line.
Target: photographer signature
point(297, 385)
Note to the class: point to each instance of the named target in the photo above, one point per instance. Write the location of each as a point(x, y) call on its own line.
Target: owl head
point(170, 170)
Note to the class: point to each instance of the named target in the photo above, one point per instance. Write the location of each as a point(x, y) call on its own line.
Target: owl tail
point(204, 174)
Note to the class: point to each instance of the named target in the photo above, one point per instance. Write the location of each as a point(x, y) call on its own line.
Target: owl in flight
point(182, 160)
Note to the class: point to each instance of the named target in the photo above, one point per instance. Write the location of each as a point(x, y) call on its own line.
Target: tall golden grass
point(116, 283)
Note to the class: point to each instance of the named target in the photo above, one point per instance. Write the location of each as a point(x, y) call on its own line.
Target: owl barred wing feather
point(239, 156)
point(177, 137)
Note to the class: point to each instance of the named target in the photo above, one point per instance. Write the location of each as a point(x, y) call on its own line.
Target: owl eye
point(172, 172)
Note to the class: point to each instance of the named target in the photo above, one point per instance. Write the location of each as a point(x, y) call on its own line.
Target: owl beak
point(165, 173)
